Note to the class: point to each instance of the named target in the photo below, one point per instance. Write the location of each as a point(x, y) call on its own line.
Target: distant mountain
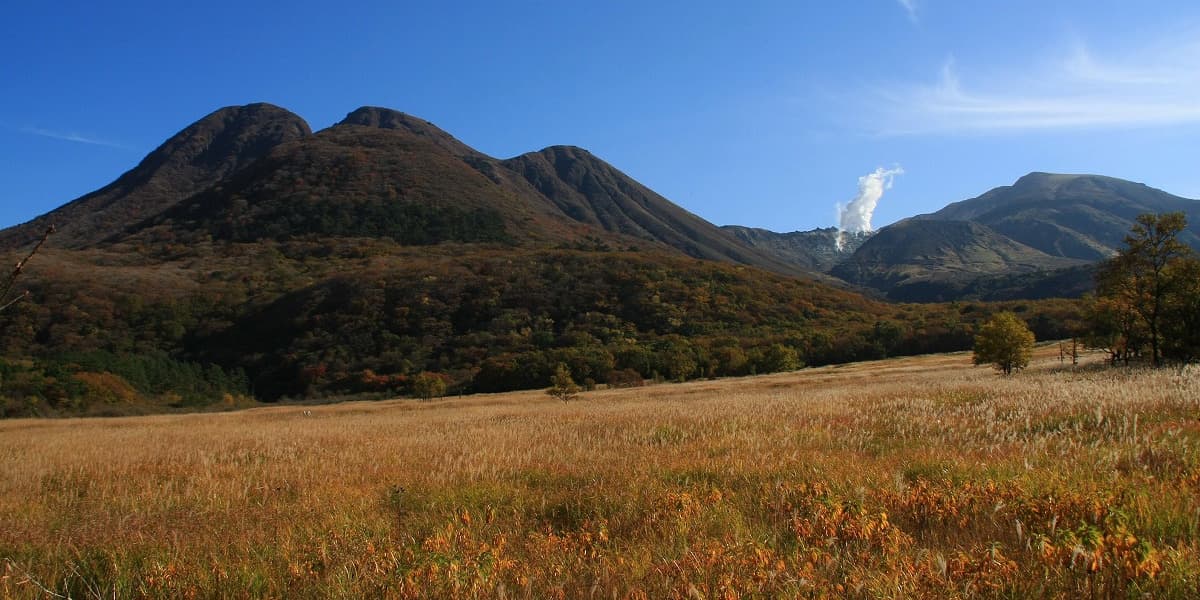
point(1007, 243)
point(203, 154)
point(919, 252)
point(1074, 216)
point(815, 250)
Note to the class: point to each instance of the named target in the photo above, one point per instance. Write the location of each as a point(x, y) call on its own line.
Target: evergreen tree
point(562, 386)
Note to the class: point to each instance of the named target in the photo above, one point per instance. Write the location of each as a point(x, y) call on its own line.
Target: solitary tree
point(1005, 342)
point(427, 386)
point(561, 384)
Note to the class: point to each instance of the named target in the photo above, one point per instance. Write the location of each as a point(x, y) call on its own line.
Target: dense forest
point(218, 323)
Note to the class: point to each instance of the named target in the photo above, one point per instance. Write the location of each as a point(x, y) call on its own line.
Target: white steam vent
point(855, 217)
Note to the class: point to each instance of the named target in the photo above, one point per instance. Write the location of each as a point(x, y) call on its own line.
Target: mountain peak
point(203, 153)
point(591, 191)
point(228, 135)
point(386, 118)
point(566, 150)
point(1039, 180)
point(1040, 177)
point(1075, 216)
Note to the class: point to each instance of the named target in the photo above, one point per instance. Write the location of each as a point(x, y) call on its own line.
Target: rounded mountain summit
point(257, 171)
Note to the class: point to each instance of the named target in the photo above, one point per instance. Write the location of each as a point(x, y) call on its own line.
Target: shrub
point(428, 386)
point(625, 378)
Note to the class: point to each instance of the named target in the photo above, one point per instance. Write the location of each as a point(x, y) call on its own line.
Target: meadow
point(911, 477)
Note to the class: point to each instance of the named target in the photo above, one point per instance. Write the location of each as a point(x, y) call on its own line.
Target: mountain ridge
point(919, 252)
point(592, 191)
point(378, 172)
point(1073, 216)
point(198, 156)
point(562, 194)
point(1058, 221)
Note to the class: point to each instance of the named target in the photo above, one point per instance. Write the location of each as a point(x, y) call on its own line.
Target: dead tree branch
point(6, 289)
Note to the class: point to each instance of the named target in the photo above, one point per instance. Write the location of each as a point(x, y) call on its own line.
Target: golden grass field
point(913, 477)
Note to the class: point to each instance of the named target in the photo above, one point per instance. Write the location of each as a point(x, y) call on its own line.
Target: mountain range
point(249, 172)
point(258, 171)
point(1034, 239)
point(349, 259)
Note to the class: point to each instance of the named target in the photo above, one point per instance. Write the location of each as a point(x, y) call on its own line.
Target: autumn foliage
point(908, 478)
point(1004, 341)
point(362, 318)
point(1148, 297)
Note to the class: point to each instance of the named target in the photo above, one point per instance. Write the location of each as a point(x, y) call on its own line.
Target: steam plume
point(855, 217)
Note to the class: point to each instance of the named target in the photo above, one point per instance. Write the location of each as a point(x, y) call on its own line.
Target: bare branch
point(6, 288)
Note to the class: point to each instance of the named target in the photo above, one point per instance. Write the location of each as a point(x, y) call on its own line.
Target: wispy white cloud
point(1152, 86)
point(71, 136)
point(910, 7)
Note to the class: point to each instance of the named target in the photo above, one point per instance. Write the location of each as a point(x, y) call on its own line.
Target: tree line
point(1147, 302)
point(1146, 307)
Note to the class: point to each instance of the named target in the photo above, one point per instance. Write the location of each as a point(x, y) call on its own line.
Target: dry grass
point(904, 478)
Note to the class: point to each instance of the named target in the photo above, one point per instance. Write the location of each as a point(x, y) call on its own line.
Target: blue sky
point(761, 113)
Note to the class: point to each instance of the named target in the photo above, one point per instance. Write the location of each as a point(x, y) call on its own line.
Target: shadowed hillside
point(591, 191)
point(359, 181)
point(200, 156)
point(385, 174)
point(1073, 216)
point(918, 252)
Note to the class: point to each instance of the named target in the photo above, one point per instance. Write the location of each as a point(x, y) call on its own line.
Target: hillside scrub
point(334, 319)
